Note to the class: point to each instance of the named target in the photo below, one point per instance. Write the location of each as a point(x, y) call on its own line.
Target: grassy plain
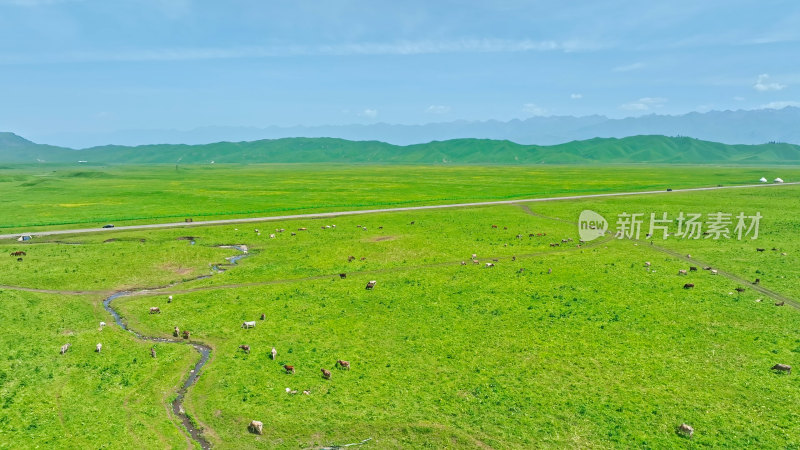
point(600, 352)
point(49, 196)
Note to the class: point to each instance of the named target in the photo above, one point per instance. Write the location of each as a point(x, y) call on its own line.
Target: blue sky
point(103, 65)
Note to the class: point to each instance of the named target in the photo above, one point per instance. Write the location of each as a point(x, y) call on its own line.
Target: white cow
point(251, 324)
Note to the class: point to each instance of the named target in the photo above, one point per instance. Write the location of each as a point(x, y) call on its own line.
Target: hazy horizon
point(88, 66)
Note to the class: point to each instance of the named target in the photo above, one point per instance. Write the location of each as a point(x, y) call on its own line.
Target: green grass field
point(50, 196)
point(583, 347)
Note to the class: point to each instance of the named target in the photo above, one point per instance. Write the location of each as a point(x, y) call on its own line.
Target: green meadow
point(554, 346)
point(64, 196)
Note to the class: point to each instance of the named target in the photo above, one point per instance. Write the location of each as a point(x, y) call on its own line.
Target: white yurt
point(763, 180)
point(778, 180)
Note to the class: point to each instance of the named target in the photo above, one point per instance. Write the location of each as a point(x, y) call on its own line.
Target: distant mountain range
point(730, 127)
point(634, 149)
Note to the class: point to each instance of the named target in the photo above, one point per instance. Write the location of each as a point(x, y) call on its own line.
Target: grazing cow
point(155, 310)
point(780, 303)
point(343, 364)
point(519, 236)
point(474, 255)
point(306, 392)
point(685, 430)
point(739, 289)
point(783, 254)
point(102, 324)
point(363, 258)
point(186, 334)
point(692, 269)
point(256, 427)
point(463, 263)
point(782, 368)
point(343, 275)
point(682, 272)
point(153, 352)
point(647, 264)
point(513, 258)
point(302, 229)
point(505, 228)
point(326, 374)
point(351, 258)
point(688, 285)
point(246, 348)
point(475, 261)
point(288, 369)
point(371, 285)
point(689, 256)
point(19, 259)
point(169, 299)
point(494, 226)
point(549, 271)
point(274, 353)
point(489, 264)
point(176, 332)
point(760, 249)
point(758, 280)
point(707, 268)
point(263, 316)
point(98, 347)
point(522, 269)
point(530, 235)
point(65, 347)
point(272, 236)
point(412, 222)
point(294, 234)
point(714, 271)
point(251, 324)
point(553, 245)
point(19, 253)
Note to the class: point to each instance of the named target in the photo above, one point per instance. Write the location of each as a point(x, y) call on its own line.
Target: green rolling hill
point(630, 150)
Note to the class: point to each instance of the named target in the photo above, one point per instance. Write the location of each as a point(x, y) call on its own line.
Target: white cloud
point(629, 67)
point(391, 48)
point(576, 96)
point(369, 113)
point(780, 104)
point(533, 109)
point(437, 109)
point(645, 104)
point(762, 85)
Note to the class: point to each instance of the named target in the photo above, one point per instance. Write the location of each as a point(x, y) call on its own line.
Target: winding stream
point(204, 350)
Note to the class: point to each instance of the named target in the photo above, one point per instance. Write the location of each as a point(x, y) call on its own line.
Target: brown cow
point(186, 334)
point(494, 226)
point(155, 310)
point(343, 364)
point(326, 374)
point(263, 316)
point(65, 347)
point(782, 368)
point(246, 348)
point(688, 285)
point(256, 427)
point(288, 369)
